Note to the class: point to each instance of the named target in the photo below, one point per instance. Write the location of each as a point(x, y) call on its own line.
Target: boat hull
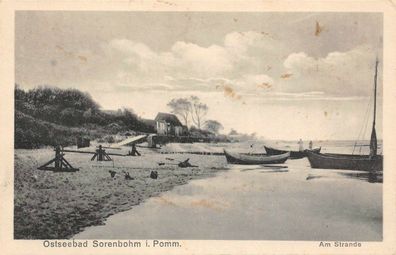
point(346, 162)
point(246, 159)
point(293, 154)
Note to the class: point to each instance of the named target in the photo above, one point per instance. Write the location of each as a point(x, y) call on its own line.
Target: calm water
point(283, 202)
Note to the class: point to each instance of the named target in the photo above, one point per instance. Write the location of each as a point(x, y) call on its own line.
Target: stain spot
point(217, 206)
point(392, 3)
point(235, 19)
point(165, 201)
point(166, 2)
point(229, 91)
point(264, 85)
point(318, 29)
point(267, 34)
point(53, 62)
point(269, 68)
point(325, 113)
point(70, 54)
point(83, 58)
point(286, 75)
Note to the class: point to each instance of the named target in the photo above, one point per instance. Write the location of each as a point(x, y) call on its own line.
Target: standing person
point(310, 145)
point(300, 145)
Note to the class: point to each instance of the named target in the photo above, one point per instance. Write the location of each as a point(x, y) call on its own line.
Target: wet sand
point(58, 205)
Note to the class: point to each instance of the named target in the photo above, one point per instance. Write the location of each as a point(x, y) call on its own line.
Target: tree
point(198, 111)
point(213, 126)
point(70, 117)
point(181, 107)
point(233, 132)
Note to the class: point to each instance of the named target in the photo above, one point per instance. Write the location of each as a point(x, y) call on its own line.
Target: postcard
point(187, 127)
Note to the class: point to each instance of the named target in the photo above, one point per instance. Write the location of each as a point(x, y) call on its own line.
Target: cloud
point(132, 48)
point(245, 43)
point(183, 59)
point(194, 66)
point(339, 73)
point(202, 61)
point(249, 62)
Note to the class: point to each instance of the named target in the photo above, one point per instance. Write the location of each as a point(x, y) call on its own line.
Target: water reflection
point(267, 168)
point(310, 177)
point(251, 169)
point(274, 171)
point(275, 166)
point(372, 177)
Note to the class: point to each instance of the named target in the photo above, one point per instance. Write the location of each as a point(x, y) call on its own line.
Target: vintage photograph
point(198, 126)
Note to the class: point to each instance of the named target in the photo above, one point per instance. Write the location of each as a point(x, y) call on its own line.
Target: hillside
point(50, 116)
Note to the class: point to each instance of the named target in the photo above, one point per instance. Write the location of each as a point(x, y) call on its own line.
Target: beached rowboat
point(345, 161)
point(293, 154)
point(246, 159)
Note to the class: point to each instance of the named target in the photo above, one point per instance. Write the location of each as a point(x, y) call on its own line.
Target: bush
point(109, 139)
point(32, 133)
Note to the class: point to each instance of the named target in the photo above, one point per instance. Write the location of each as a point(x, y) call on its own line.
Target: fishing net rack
point(60, 164)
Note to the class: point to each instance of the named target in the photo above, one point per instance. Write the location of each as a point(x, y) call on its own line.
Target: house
point(168, 124)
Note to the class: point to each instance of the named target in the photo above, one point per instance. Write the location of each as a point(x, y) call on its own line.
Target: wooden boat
point(247, 159)
point(293, 154)
point(371, 162)
point(345, 161)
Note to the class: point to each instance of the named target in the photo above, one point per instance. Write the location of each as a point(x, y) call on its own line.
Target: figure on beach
point(127, 176)
point(185, 163)
point(310, 146)
point(300, 145)
point(112, 173)
point(134, 151)
point(154, 175)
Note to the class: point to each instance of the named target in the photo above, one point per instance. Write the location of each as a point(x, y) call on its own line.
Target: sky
point(279, 75)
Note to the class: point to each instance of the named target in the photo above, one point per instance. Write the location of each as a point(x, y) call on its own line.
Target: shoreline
point(51, 205)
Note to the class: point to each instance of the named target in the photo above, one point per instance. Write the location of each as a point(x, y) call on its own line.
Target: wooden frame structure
point(100, 154)
point(60, 163)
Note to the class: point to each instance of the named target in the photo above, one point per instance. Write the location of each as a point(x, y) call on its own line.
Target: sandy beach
point(58, 205)
point(233, 202)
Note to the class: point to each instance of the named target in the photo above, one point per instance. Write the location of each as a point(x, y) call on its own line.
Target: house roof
point(168, 118)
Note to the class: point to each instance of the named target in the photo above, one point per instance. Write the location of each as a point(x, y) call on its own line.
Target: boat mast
point(373, 140)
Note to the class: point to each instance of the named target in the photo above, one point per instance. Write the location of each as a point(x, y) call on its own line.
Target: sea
point(289, 201)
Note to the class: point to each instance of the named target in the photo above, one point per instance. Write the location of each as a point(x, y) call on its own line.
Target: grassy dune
point(58, 205)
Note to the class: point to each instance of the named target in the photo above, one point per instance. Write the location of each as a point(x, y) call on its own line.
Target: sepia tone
point(198, 130)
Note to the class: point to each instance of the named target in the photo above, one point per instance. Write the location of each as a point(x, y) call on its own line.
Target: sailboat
point(372, 162)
